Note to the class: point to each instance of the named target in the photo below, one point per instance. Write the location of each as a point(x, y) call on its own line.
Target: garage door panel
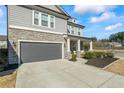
point(33, 52)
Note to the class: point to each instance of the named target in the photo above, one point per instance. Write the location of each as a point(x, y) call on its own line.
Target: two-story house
point(42, 32)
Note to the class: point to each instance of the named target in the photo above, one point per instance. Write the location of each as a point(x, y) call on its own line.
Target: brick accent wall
point(19, 34)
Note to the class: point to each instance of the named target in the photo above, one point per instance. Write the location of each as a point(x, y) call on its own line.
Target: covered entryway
point(39, 51)
point(73, 45)
point(76, 43)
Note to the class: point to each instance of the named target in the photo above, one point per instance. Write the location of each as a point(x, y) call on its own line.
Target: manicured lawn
point(100, 62)
point(117, 67)
point(8, 81)
point(119, 48)
point(103, 48)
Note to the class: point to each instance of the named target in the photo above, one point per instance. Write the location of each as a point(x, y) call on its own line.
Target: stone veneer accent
point(18, 34)
point(79, 54)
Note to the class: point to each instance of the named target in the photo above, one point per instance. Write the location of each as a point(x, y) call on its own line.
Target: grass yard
point(111, 49)
point(117, 67)
point(8, 81)
point(119, 48)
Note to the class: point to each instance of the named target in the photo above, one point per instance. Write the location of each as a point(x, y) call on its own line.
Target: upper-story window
point(79, 31)
point(36, 18)
point(68, 29)
point(43, 19)
point(72, 30)
point(52, 23)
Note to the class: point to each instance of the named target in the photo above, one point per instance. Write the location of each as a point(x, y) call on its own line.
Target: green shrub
point(89, 55)
point(73, 57)
point(1, 68)
point(110, 54)
point(100, 54)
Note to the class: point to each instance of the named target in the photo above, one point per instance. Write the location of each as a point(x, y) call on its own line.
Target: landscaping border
point(110, 64)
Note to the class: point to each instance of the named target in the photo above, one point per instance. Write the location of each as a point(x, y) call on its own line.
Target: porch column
point(68, 45)
point(91, 45)
point(79, 45)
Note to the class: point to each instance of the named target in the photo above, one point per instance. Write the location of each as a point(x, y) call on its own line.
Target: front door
point(73, 45)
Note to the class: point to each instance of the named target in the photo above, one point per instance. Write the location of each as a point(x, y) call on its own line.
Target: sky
point(3, 20)
point(100, 21)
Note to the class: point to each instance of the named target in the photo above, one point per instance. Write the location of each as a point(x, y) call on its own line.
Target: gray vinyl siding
point(20, 16)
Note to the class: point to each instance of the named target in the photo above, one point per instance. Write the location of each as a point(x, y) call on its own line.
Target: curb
point(111, 64)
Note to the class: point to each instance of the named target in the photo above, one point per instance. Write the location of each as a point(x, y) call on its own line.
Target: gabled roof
point(75, 24)
point(56, 8)
point(62, 10)
point(51, 9)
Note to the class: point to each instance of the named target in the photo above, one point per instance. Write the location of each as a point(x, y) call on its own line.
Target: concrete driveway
point(65, 74)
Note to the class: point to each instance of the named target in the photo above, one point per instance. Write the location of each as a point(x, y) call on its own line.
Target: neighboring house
point(116, 44)
point(3, 41)
point(38, 33)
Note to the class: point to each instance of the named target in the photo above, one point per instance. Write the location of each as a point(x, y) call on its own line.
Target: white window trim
point(53, 21)
point(72, 29)
point(33, 18)
point(80, 31)
point(19, 42)
point(49, 21)
point(40, 24)
point(76, 30)
point(41, 20)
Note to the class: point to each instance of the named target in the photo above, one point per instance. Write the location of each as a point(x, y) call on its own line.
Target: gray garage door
point(35, 51)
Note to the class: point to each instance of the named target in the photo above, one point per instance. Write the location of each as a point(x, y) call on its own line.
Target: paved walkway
point(65, 74)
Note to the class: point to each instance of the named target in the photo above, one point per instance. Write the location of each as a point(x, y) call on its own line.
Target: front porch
point(75, 43)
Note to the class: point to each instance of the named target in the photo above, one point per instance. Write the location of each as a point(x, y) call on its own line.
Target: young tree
point(117, 37)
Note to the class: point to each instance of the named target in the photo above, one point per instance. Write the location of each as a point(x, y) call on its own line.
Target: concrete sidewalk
point(65, 74)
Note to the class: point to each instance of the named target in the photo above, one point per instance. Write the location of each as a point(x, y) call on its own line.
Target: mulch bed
point(100, 62)
point(8, 67)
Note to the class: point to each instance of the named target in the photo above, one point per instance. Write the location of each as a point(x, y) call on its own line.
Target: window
point(44, 20)
point(79, 31)
point(73, 45)
point(52, 21)
point(76, 30)
point(72, 30)
point(36, 18)
point(68, 29)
